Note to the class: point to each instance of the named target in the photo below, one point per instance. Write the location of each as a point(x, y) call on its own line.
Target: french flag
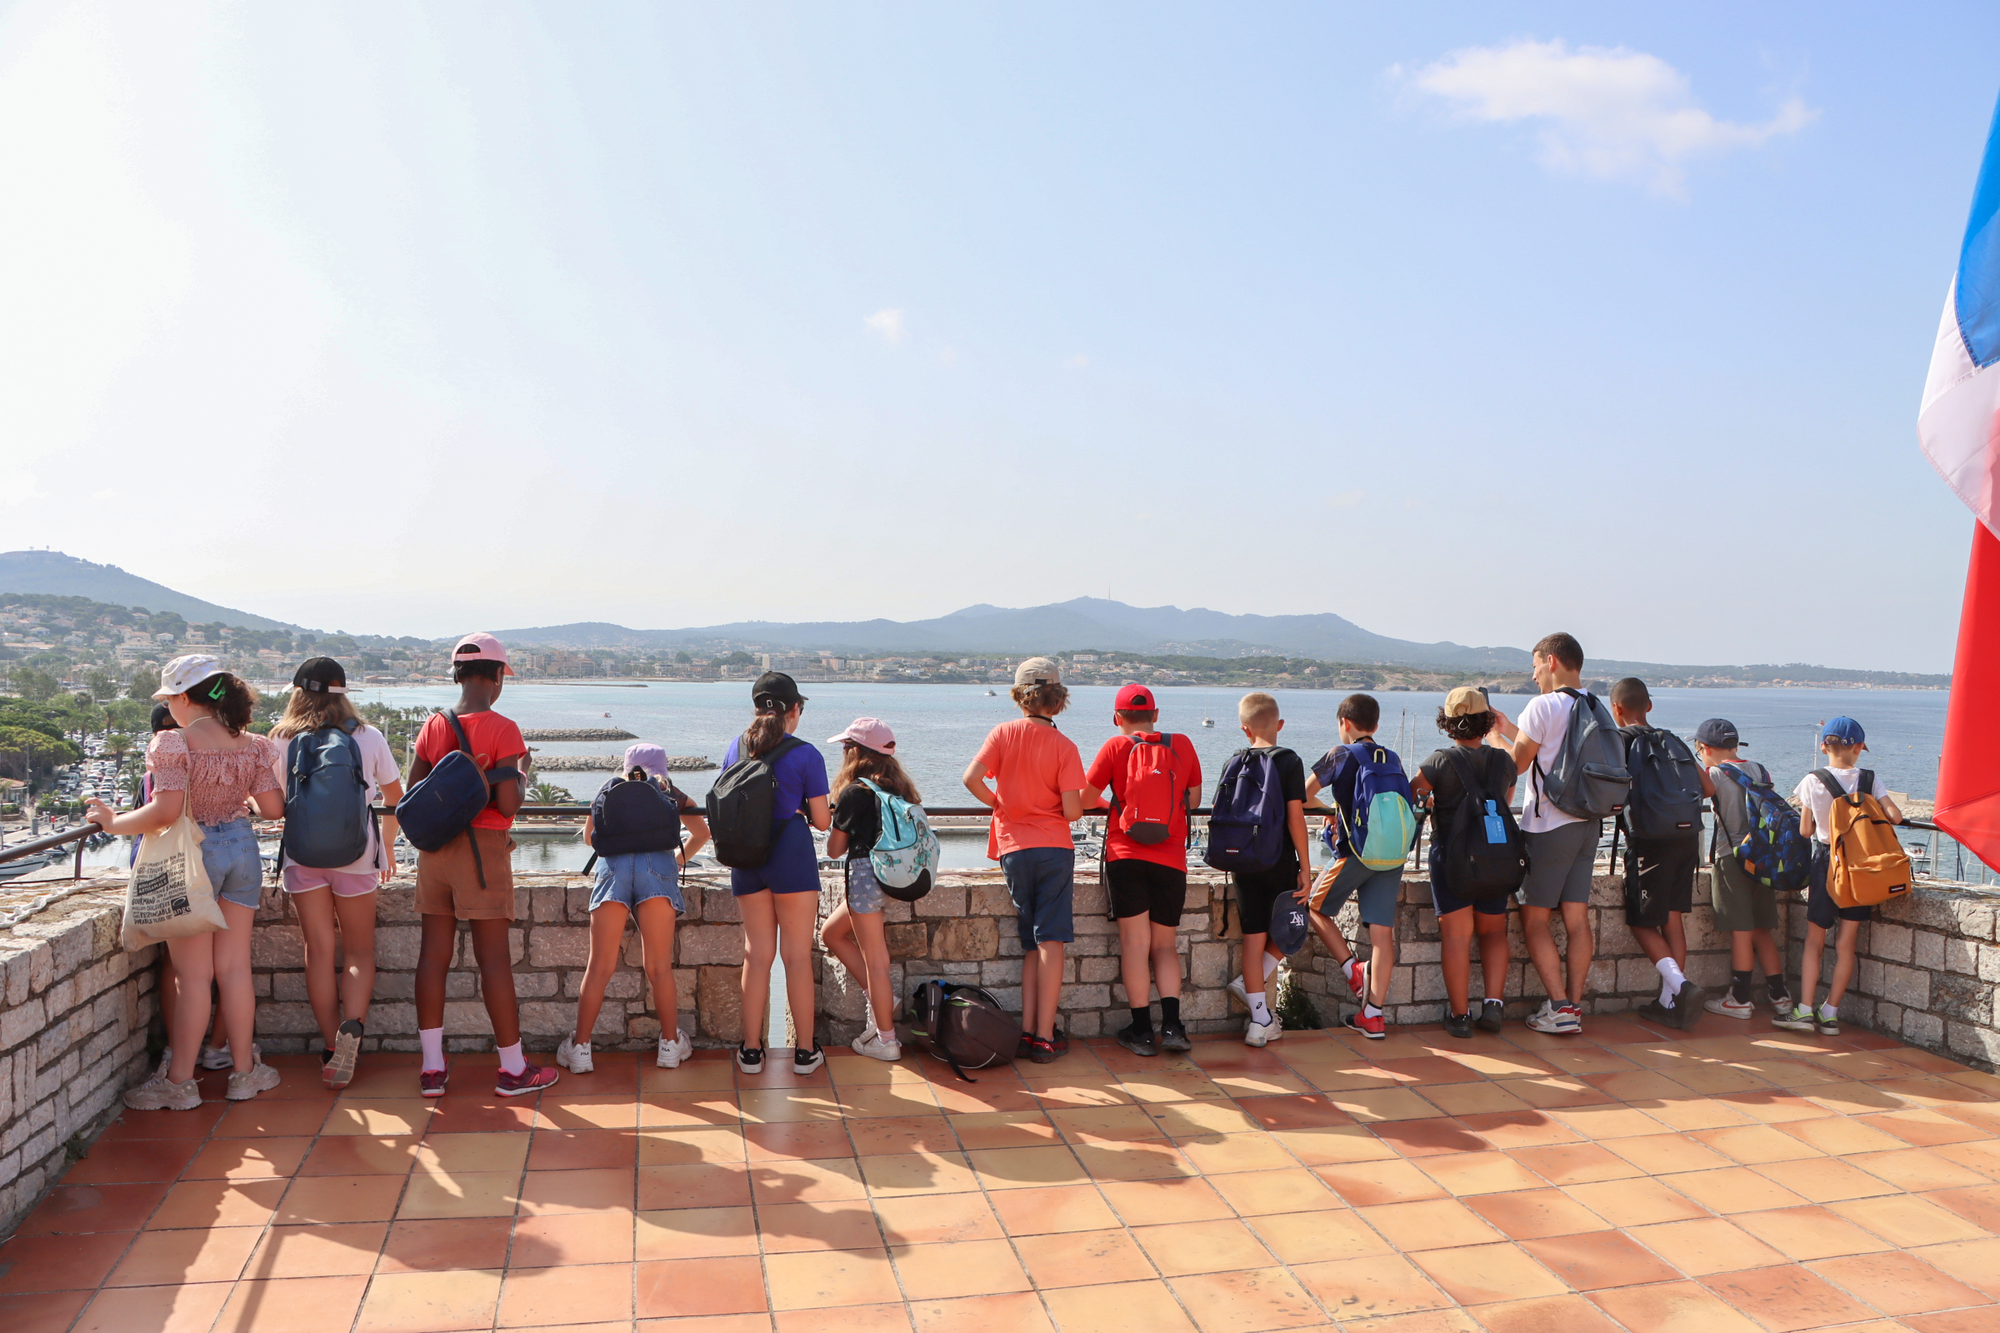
point(1959, 427)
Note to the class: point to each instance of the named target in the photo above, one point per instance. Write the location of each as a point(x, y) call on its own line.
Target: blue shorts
point(632, 878)
point(1821, 910)
point(1445, 902)
point(793, 867)
point(229, 855)
point(1379, 891)
point(1042, 882)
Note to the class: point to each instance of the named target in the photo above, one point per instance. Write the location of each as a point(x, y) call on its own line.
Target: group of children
point(206, 765)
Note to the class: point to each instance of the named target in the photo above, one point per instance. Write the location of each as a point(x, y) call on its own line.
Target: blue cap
point(1843, 729)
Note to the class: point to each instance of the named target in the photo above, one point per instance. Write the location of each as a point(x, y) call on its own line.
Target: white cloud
point(1347, 500)
point(887, 323)
point(1609, 112)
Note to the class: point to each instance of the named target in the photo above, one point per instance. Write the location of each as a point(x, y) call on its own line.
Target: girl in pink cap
point(854, 934)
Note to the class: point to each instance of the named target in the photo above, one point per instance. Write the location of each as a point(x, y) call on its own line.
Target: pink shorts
point(344, 883)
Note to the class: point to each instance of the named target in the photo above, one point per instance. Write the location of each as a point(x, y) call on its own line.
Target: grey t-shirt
point(1731, 812)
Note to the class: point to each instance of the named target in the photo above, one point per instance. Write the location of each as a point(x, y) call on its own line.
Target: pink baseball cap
point(868, 733)
point(481, 647)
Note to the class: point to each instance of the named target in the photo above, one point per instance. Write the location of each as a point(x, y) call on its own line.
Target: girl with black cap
point(324, 894)
point(780, 899)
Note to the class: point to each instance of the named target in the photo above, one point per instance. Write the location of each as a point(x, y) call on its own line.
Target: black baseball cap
point(163, 719)
point(776, 689)
point(1718, 733)
point(321, 675)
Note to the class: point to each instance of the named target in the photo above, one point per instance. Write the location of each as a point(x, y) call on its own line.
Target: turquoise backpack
point(905, 858)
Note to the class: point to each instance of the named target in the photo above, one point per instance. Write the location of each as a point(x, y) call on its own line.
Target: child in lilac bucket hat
point(634, 830)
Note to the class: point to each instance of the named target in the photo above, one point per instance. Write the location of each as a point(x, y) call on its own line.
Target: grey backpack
point(328, 822)
point(1587, 777)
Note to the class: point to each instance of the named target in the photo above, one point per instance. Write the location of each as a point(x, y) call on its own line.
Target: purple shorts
point(344, 883)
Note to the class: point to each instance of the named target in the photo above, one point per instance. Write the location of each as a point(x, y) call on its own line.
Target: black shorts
point(1821, 909)
point(1659, 878)
point(1146, 888)
point(1257, 892)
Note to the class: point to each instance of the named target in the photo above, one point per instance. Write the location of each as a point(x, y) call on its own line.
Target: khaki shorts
point(1740, 902)
point(448, 880)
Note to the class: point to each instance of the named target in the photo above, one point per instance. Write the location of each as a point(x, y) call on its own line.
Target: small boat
point(990, 694)
point(1208, 722)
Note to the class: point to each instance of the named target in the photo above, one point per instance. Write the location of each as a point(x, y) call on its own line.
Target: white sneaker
point(1257, 1034)
point(878, 1046)
point(675, 1049)
point(247, 1083)
point(1546, 1019)
point(575, 1056)
point(158, 1094)
point(1239, 990)
point(218, 1057)
point(1729, 1006)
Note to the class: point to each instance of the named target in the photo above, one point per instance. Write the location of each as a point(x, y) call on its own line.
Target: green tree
point(35, 685)
point(547, 793)
point(25, 752)
point(144, 681)
point(103, 686)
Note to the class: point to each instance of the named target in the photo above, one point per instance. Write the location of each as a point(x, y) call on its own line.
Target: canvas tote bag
point(169, 895)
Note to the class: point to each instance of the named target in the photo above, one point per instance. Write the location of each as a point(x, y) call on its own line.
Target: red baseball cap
point(1135, 698)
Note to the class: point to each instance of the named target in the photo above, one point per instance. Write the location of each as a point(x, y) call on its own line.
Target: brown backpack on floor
point(1868, 864)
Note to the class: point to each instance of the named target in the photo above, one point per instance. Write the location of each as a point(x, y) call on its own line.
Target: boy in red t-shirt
point(461, 882)
point(1040, 779)
point(1154, 781)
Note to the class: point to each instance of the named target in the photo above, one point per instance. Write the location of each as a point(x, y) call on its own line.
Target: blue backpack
point(1772, 850)
point(327, 819)
point(1381, 825)
point(1246, 823)
point(441, 808)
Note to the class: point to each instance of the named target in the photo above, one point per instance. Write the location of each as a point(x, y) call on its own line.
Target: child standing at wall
point(1038, 794)
point(1745, 908)
point(634, 831)
point(471, 880)
point(1467, 769)
point(854, 934)
point(1662, 845)
point(1257, 891)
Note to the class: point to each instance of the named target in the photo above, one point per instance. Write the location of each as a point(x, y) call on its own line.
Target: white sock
point(1260, 1012)
point(511, 1059)
point(1371, 1011)
point(432, 1040)
point(1671, 981)
point(1271, 962)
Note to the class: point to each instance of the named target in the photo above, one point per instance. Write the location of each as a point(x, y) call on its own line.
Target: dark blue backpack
point(441, 808)
point(1247, 827)
point(1772, 851)
point(327, 819)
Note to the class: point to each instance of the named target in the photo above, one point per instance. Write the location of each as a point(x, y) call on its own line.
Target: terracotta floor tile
point(292, 1304)
point(1025, 1168)
point(61, 1263)
point(1479, 1173)
point(1982, 1155)
point(797, 1139)
point(572, 1238)
point(686, 1110)
point(815, 1180)
point(1902, 1284)
point(1533, 1214)
point(888, 1317)
point(1825, 1179)
point(208, 1254)
point(1979, 1204)
point(1429, 1225)
point(1108, 1124)
point(892, 1175)
point(1471, 1098)
point(789, 1227)
point(1706, 1245)
point(1224, 1154)
point(1691, 1111)
point(702, 1185)
point(1181, 1248)
point(958, 1268)
point(1308, 1237)
point(587, 1113)
point(459, 1194)
point(137, 1160)
point(359, 1155)
point(1593, 1260)
point(570, 1294)
point(1372, 1286)
point(1803, 1234)
point(425, 1246)
point(1906, 1220)
point(1633, 1203)
point(1292, 1189)
point(43, 1312)
point(382, 1118)
point(196, 1124)
point(1301, 1111)
point(1333, 1144)
point(1754, 1145)
point(1246, 1301)
point(1574, 1163)
point(1003, 1129)
point(221, 1203)
point(1083, 1258)
point(1011, 1313)
point(697, 1075)
point(930, 1219)
point(1673, 1307)
point(455, 1153)
point(1133, 1161)
point(584, 1149)
point(247, 1159)
point(831, 1277)
point(1665, 1154)
point(904, 1134)
point(1735, 1189)
point(597, 1191)
point(1571, 1314)
point(1919, 1169)
point(677, 1147)
point(694, 1233)
point(1056, 1208)
point(1427, 1138)
point(343, 1250)
point(1519, 1129)
point(1370, 1105)
point(673, 1288)
point(1125, 1307)
point(1604, 1123)
point(1925, 1129)
point(1973, 1262)
point(1359, 1183)
point(429, 1302)
point(1787, 1298)
point(188, 1308)
point(1554, 1090)
point(476, 1115)
point(1483, 1274)
point(262, 1118)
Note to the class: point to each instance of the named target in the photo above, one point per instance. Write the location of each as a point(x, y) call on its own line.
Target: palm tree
point(547, 793)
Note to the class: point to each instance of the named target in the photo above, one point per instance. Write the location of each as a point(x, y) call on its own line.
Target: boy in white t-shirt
point(1841, 740)
point(1561, 848)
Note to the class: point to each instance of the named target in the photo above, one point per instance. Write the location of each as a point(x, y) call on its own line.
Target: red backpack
point(1152, 789)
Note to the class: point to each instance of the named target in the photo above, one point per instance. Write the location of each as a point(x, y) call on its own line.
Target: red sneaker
point(532, 1079)
point(431, 1082)
point(1372, 1028)
point(1356, 972)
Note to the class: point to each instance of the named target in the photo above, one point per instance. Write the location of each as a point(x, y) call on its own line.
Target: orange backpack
point(1868, 864)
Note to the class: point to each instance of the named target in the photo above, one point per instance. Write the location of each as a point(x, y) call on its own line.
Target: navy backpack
point(327, 819)
point(1247, 829)
point(438, 810)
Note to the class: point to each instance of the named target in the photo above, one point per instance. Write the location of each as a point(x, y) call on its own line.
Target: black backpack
point(742, 808)
point(633, 815)
point(964, 1026)
point(1666, 784)
point(1483, 853)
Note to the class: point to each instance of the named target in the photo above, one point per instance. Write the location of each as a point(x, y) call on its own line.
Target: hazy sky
point(1465, 322)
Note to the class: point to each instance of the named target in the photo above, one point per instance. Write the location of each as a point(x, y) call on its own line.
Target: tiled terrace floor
point(1731, 1179)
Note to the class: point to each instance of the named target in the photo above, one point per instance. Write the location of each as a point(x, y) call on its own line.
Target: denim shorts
point(631, 878)
point(793, 867)
point(229, 854)
point(1042, 882)
point(864, 891)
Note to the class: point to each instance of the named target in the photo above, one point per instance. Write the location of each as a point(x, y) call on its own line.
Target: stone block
point(719, 1004)
point(546, 903)
point(907, 940)
point(1888, 941)
point(1092, 969)
point(1989, 962)
point(1923, 1029)
point(22, 1022)
point(1961, 956)
point(1204, 1004)
point(991, 900)
point(553, 1020)
point(1906, 986)
point(538, 985)
point(287, 1019)
point(1636, 974)
point(711, 945)
point(1085, 1025)
point(1927, 950)
point(461, 985)
point(967, 938)
point(396, 947)
point(1001, 972)
point(1209, 963)
point(560, 946)
point(288, 986)
point(277, 947)
point(941, 901)
point(720, 906)
point(463, 1018)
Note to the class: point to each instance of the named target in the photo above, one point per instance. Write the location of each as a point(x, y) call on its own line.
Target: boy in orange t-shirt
point(1040, 794)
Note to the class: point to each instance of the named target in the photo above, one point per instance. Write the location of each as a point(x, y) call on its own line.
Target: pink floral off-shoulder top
point(216, 781)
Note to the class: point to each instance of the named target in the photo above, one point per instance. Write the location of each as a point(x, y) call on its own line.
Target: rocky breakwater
point(578, 734)
point(590, 763)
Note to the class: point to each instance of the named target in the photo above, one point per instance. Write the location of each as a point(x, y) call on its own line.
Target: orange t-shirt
point(493, 739)
point(1032, 764)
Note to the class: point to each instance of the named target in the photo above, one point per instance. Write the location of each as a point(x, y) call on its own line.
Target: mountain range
point(62, 575)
